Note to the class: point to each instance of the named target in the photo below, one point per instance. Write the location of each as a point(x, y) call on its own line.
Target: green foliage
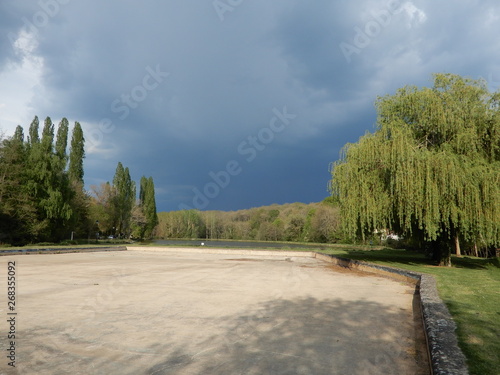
point(18, 134)
point(431, 171)
point(37, 200)
point(149, 205)
point(145, 218)
point(18, 216)
point(62, 141)
point(77, 154)
point(103, 209)
point(289, 222)
point(115, 209)
point(185, 224)
point(124, 199)
point(42, 196)
point(34, 137)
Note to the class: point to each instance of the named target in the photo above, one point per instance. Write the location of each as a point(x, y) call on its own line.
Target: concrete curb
point(61, 250)
point(209, 250)
point(445, 356)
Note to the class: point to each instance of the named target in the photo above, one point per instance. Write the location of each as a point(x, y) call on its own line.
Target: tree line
point(300, 222)
point(42, 193)
point(116, 212)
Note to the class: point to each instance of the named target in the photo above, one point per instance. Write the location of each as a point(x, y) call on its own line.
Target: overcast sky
point(229, 104)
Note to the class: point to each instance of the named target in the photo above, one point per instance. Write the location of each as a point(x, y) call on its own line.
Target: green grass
point(470, 289)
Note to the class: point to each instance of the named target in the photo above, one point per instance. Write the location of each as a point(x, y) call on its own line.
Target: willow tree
point(430, 171)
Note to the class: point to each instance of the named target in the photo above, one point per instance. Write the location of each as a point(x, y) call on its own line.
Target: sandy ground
point(178, 313)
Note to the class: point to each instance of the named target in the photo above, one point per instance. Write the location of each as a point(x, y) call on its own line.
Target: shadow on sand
point(301, 336)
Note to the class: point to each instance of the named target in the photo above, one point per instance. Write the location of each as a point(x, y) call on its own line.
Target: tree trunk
point(445, 260)
point(441, 250)
point(476, 254)
point(457, 246)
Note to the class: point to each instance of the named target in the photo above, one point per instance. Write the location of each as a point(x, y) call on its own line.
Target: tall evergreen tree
point(49, 185)
point(18, 219)
point(38, 170)
point(19, 134)
point(151, 211)
point(125, 198)
point(148, 205)
point(47, 141)
point(77, 154)
point(142, 190)
point(80, 202)
point(34, 137)
point(62, 141)
point(431, 171)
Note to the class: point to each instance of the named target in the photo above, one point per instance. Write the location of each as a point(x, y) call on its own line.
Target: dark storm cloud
point(180, 89)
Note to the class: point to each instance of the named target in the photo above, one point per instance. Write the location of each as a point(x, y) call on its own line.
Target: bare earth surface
point(177, 313)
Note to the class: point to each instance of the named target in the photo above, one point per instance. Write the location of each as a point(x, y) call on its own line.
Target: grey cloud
point(226, 77)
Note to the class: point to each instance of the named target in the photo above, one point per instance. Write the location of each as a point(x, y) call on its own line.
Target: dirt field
point(134, 312)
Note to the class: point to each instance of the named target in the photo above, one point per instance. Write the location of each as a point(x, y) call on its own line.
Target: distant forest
point(313, 222)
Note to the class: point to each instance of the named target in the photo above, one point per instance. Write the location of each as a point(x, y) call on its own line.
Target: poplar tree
point(148, 205)
point(125, 198)
point(39, 174)
point(80, 202)
point(33, 137)
point(62, 142)
point(56, 194)
point(431, 170)
point(19, 135)
point(47, 141)
point(76, 155)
